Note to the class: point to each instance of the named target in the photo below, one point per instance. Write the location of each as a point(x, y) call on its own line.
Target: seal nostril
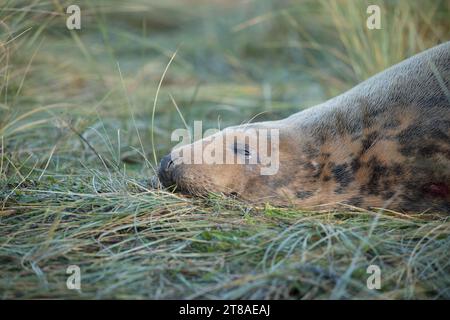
point(166, 163)
point(169, 164)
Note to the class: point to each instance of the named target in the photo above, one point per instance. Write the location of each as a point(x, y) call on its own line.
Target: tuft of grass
point(81, 112)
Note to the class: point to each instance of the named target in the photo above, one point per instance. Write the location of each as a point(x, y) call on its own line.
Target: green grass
point(76, 150)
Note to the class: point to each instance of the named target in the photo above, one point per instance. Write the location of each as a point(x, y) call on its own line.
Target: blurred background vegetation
point(78, 110)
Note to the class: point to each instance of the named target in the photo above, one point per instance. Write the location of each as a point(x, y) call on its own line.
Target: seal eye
point(242, 150)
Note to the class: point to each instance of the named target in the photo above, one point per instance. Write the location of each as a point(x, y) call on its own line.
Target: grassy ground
point(79, 111)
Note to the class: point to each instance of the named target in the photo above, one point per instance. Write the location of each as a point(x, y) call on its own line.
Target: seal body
point(385, 143)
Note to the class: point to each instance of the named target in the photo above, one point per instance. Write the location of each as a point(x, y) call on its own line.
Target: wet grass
point(76, 153)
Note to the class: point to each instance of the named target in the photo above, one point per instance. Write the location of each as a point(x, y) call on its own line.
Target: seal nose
point(165, 171)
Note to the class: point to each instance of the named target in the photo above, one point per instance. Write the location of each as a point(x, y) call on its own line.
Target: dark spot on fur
point(407, 150)
point(368, 141)
point(339, 190)
point(355, 164)
point(428, 151)
point(342, 174)
point(406, 136)
point(310, 150)
point(370, 112)
point(387, 194)
point(356, 201)
point(304, 194)
point(420, 139)
point(397, 169)
point(377, 171)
